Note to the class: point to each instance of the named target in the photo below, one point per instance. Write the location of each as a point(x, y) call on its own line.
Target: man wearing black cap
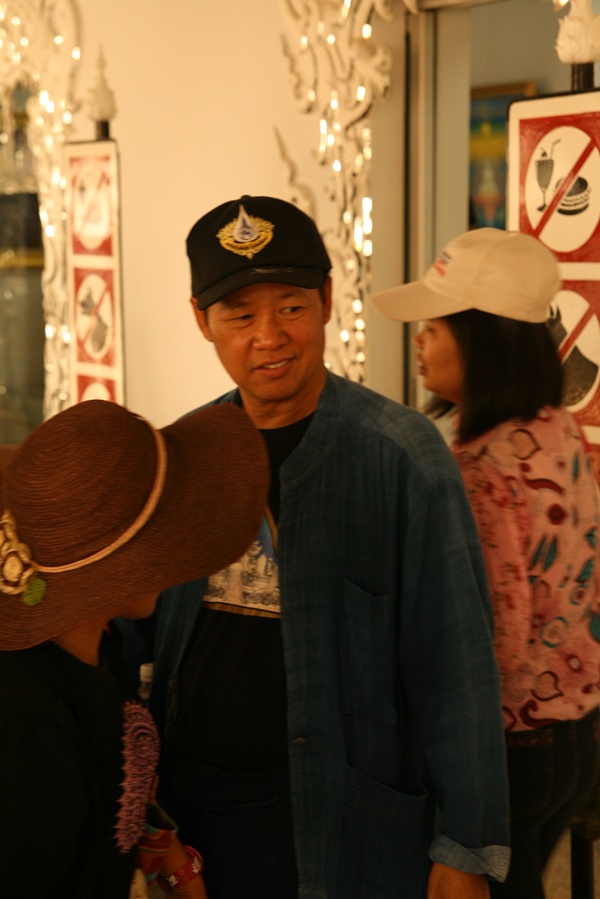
point(330, 703)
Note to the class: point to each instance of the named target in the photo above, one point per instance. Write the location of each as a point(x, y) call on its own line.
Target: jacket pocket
point(369, 655)
point(384, 842)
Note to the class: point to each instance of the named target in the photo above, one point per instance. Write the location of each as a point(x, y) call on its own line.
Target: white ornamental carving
point(578, 38)
point(336, 71)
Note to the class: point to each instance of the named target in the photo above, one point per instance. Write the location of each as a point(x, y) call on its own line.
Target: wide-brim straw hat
point(99, 507)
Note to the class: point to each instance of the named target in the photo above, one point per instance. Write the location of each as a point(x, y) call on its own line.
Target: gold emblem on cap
point(246, 235)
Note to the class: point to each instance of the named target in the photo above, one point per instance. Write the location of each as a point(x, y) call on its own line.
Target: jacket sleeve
point(450, 676)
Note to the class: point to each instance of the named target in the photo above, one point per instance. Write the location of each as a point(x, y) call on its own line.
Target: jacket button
point(299, 741)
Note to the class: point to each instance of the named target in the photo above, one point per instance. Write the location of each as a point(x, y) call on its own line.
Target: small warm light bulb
point(345, 336)
point(337, 166)
point(367, 31)
point(358, 237)
point(361, 93)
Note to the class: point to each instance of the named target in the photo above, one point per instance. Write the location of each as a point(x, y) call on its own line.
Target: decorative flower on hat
point(17, 568)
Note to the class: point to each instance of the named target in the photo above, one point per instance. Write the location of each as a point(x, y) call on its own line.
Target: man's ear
point(327, 300)
point(201, 319)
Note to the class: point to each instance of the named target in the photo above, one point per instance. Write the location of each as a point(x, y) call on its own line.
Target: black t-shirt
point(74, 784)
point(231, 698)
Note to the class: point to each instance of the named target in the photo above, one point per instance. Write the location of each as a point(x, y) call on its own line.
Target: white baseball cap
point(503, 272)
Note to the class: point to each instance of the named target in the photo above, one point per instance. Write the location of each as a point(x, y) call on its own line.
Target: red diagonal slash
point(562, 190)
point(95, 313)
point(103, 179)
point(567, 345)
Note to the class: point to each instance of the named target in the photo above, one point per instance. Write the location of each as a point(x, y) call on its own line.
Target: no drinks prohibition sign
point(553, 193)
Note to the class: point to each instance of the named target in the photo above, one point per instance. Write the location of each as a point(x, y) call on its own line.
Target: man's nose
point(268, 331)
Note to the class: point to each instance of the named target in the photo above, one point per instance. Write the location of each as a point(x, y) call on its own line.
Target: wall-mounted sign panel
point(553, 193)
point(94, 270)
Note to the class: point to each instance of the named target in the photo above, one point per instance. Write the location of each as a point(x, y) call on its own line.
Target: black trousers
point(241, 824)
point(551, 773)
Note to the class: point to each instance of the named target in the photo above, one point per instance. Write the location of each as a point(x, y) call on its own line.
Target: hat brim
point(416, 302)
point(209, 512)
point(310, 278)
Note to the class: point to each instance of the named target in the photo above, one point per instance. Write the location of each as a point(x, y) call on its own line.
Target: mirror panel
point(39, 53)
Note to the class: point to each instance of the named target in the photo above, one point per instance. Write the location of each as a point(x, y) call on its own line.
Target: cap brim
point(309, 278)
point(415, 302)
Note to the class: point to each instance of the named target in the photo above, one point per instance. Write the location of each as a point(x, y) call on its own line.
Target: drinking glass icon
point(544, 166)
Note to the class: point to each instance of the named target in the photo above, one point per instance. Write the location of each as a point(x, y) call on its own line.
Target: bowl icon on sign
point(576, 199)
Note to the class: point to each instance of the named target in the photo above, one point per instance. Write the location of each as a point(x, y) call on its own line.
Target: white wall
point(514, 41)
point(200, 86)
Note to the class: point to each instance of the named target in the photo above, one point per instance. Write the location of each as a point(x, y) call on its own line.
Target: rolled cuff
point(493, 861)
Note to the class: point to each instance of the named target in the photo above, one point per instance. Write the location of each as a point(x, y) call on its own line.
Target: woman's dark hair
point(512, 369)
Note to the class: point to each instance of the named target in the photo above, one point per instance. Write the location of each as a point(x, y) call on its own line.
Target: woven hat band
point(15, 557)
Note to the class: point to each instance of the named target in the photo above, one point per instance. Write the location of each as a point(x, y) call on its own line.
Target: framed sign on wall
point(554, 194)
point(94, 270)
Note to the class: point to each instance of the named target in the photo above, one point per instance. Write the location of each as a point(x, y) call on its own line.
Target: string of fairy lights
point(337, 71)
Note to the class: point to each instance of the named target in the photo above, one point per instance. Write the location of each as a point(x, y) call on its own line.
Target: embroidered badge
point(441, 263)
point(246, 235)
point(17, 568)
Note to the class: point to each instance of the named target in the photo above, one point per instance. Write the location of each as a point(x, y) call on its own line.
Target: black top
point(77, 756)
point(231, 697)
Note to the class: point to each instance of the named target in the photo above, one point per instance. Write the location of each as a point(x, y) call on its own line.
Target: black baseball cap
point(252, 240)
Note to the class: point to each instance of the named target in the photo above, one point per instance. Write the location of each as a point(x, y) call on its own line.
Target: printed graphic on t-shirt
point(251, 585)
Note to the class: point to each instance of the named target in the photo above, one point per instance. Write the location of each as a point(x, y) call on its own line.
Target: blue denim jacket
point(396, 747)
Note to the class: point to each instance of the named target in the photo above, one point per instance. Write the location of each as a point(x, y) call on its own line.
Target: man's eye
point(244, 317)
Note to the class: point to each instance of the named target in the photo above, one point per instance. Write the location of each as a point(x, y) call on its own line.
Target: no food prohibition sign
point(553, 193)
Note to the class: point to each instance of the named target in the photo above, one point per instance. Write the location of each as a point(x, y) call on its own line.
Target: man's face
point(270, 339)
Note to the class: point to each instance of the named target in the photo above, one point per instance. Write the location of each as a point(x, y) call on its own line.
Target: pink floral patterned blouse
point(536, 505)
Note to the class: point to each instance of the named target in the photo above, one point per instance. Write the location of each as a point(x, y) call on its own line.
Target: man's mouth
point(271, 366)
